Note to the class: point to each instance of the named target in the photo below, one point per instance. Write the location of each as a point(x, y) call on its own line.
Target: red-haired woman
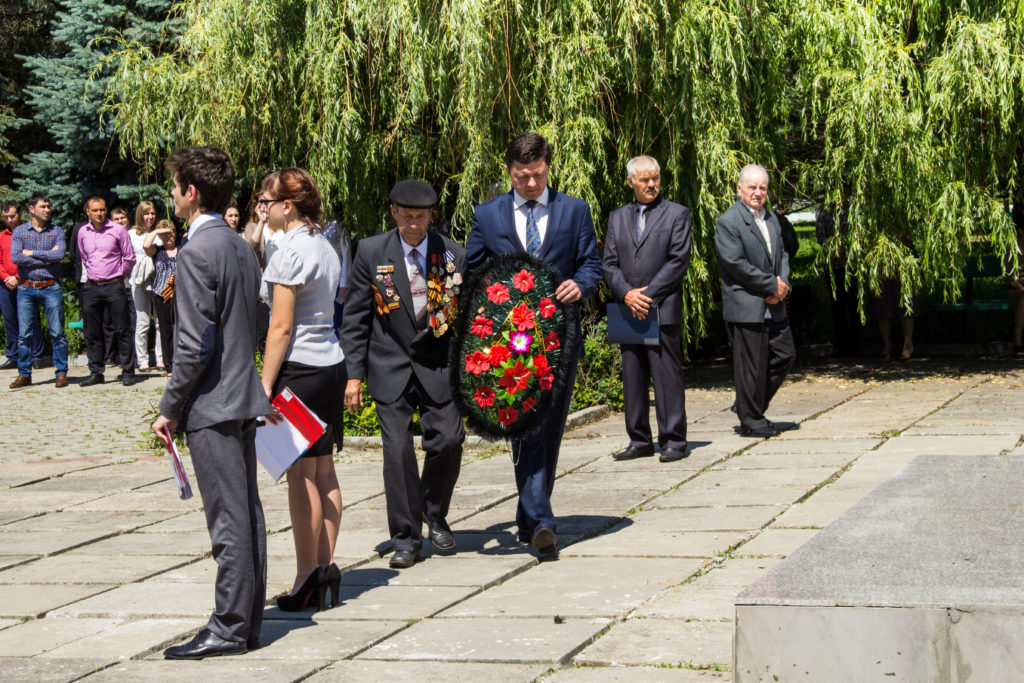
point(300, 282)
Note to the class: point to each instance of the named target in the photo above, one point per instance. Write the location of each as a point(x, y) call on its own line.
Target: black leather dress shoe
point(402, 559)
point(440, 536)
point(634, 452)
point(128, 378)
point(205, 644)
point(764, 433)
point(545, 541)
point(8, 365)
point(95, 378)
point(672, 454)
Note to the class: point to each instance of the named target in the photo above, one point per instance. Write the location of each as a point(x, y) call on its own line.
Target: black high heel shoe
point(313, 585)
point(332, 580)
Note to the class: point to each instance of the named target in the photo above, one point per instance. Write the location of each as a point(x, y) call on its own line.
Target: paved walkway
point(101, 566)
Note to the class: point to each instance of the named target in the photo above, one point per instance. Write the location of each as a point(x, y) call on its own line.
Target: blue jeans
point(9, 309)
point(52, 300)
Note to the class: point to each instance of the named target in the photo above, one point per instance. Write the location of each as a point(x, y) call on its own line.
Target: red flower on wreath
point(522, 317)
point(546, 380)
point(484, 396)
point(540, 364)
point(523, 280)
point(507, 416)
point(546, 308)
point(482, 327)
point(498, 355)
point(498, 293)
point(551, 341)
point(515, 378)
point(477, 363)
point(528, 405)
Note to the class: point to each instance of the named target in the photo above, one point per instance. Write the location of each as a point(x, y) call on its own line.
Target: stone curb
point(574, 421)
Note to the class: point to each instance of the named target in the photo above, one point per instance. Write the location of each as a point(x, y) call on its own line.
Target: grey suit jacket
point(387, 349)
point(658, 261)
point(215, 290)
point(748, 271)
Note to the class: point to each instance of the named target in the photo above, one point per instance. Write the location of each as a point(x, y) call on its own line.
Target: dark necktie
point(532, 232)
point(418, 287)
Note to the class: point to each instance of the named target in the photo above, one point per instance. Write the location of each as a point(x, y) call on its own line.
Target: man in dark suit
point(755, 281)
point(646, 254)
point(215, 395)
point(557, 229)
point(396, 336)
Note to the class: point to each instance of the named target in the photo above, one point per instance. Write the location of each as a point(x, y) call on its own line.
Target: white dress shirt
point(762, 225)
point(540, 214)
point(421, 248)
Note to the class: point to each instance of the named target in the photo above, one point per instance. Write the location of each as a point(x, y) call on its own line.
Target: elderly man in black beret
point(401, 305)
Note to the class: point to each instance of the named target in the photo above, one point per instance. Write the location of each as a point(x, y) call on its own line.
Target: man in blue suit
point(557, 229)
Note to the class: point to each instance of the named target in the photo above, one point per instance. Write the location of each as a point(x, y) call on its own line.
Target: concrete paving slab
point(49, 670)
point(674, 642)
point(764, 461)
point(660, 479)
point(37, 636)
point(495, 639)
point(570, 496)
point(578, 587)
point(737, 571)
point(8, 561)
point(368, 671)
point(629, 674)
point(188, 544)
point(950, 445)
point(46, 542)
point(35, 601)
point(4, 623)
point(647, 466)
point(214, 669)
point(633, 540)
point(26, 502)
point(707, 518)
point(75, 520)
point(455, 570)
point(148, 599)
point(776, 542)
point(384, 602)
point(821, 509)
point(320, 638)
point(692, 602)
point(68, 568)
point(103, 485)
point(165, 500)
point(124, 640)
point(822, 445)
point(746, 487)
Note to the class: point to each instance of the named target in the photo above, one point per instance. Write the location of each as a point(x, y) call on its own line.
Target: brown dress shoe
point(62, 380)
point(21, 381)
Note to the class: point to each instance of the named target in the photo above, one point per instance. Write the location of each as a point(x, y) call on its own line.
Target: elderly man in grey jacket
point(215, 395)
point(755, 281)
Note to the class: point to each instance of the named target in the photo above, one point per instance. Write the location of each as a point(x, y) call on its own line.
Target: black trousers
point(224, 456)
point(165, 317)
point(664, 365)
point(762, 354)
point(411, 496)
point(95, 300)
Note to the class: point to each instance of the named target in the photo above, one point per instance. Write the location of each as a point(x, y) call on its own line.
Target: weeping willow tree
point(906, 115)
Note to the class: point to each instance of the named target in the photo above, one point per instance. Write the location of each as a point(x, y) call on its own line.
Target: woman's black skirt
point(323, 392)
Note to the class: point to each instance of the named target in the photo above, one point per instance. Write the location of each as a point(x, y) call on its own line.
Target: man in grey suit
point(646, 254)
point(215, 395)
point(396, 336)
point(755, 281)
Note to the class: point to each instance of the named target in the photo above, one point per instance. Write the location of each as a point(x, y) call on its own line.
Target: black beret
point(413, 194)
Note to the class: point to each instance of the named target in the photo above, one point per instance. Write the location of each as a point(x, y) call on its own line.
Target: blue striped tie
point(532, 233)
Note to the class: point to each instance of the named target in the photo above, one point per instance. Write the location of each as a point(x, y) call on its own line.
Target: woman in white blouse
point(142, 284)
point(302, 354)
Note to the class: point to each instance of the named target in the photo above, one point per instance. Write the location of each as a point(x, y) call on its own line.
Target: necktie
point(418, 287)
point(532, 233)
point(641, 222)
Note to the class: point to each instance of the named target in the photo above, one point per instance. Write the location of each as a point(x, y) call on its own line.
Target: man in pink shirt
point(108, 258)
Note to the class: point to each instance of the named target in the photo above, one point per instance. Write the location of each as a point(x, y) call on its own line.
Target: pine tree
point(67, 96)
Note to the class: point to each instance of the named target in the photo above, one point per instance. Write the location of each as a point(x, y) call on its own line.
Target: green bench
point(988, 266)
